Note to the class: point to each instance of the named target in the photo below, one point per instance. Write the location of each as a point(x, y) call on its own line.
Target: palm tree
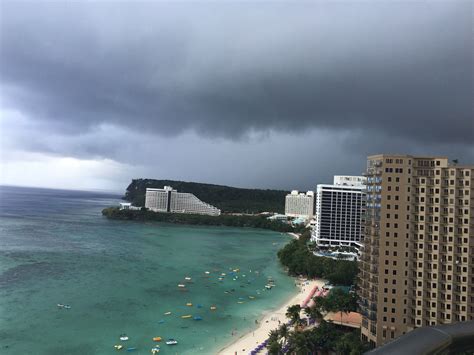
point(307, 311)
point(293, 312)
point(273, 345)
point(314, 313)
point(299, 343)
point(284, 332)
point(273, 335)
point(274, 348)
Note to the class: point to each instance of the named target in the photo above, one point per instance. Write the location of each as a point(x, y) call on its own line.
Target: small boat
point(269, 286)
point(131, 349)
point(161, 321)
point(155, 349)
point(181, 285)
point(199, 306)
point(157, 339)
point(186, 316)
point(187, 278)
point(223, 274)
point(252, 297)
point(240, 302)
point(171, 342)
point(167, 313)
point(123, 337)
point(207, 272)
point(60, 305)
point(66, 306)
point(198, 318)
point(189, 304)
point(118, 347)
point(213, 308)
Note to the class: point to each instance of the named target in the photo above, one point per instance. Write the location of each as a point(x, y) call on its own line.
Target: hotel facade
point(340, 211)
point(299, 204)
point(417, 262)
point(172, 201)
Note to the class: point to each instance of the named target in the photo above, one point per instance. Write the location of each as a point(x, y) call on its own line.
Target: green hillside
point(228, 199)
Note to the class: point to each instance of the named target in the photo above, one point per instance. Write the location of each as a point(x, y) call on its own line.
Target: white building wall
point(299, 204)
point(156, 200)
point(179, 202)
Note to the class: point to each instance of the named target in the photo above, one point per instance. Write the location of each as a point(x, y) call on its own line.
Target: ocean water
point(121, 277)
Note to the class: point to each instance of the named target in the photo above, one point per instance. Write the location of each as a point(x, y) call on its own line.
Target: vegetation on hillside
point(203, 220)
point(228, 199)
point(301, 261)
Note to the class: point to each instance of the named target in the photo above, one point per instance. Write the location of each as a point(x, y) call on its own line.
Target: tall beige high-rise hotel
point(417, 263)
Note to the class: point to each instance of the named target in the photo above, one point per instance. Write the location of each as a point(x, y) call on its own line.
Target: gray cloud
point(226, 69)
point(322, 79)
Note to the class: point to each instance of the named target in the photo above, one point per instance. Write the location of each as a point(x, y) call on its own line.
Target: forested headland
point(227, 199)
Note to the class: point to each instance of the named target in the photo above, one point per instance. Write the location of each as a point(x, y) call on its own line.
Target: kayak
point(186, 316)
point(131, 349)
point(198, 318)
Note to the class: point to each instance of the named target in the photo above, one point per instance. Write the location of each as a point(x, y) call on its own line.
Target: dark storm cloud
point(228, 69)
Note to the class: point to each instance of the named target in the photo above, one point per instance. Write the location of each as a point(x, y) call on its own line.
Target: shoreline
point(294, 235)
point(268, 321)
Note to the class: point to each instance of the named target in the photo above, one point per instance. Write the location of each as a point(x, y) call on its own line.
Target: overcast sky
point(252, 94)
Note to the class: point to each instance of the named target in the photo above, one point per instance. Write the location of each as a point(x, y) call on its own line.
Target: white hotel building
point(339, 212)
point(299, 204)
point(172, 201)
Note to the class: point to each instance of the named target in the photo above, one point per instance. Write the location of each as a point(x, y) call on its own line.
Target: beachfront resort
point(169, 200)
point(408, 216)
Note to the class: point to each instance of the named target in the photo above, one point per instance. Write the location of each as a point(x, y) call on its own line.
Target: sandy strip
point(247, 342)
point(294, 235)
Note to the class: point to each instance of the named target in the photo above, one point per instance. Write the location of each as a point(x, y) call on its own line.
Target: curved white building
point(169, 200)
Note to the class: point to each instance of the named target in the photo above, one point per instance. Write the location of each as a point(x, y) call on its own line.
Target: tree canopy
point(301, 261)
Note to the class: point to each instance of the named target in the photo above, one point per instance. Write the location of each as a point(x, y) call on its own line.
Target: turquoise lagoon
point(121, 277)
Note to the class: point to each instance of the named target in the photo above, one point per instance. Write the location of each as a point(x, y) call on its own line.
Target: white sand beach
point(270, 321)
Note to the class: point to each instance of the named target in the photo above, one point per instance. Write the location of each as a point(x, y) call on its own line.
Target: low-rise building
point(169, 200)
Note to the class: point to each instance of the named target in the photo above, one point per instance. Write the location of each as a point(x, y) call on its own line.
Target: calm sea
point(122, 277)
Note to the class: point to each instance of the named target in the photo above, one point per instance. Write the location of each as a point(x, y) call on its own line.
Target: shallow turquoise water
point(121, 277)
